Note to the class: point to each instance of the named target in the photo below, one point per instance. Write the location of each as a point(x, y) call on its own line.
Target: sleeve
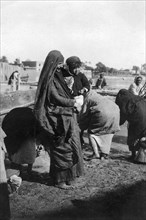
point(60, 100)
point(85, 82)
point(132, 89)
point(2, 136)
point(84, 116)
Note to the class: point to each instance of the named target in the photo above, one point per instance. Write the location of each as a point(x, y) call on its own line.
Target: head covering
point(18, 125)
point(132, 109)
point(125, 100)
point(73, 62)
point(45, 82)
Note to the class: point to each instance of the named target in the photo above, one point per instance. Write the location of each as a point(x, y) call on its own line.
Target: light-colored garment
point(79, 102)
point(3, 178)
point(69, 81)
point(134, 89)
point(14, 183)
point(141, 156)
point(99, 115)
point(26, 154)
point(103, 142)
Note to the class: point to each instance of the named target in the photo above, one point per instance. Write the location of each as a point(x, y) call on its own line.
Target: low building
point(34, 65)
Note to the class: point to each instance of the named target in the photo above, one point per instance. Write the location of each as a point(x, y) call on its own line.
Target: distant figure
point(81, 83)
point(18, 80)
point(90, 82)
point(101, 82)
point(136, 86)
point(14, 81)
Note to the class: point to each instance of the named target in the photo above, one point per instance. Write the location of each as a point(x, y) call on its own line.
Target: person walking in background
point(132, 109)
point(14, 81)
point(101, 82)
point(100, 116)
point(136, 86)
point(18, 81)
point(81, 83)
point(55, 110)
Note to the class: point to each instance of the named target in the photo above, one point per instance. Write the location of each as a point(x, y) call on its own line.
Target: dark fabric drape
point(54, 110)
point(18, 125)
point(45, 84)
point(132, 109)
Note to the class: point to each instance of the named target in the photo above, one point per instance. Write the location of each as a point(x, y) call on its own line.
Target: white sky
point(111, 32)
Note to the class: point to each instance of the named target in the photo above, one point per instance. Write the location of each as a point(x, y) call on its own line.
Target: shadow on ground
point(125, 203)
point(115, 154)
point(119, 139)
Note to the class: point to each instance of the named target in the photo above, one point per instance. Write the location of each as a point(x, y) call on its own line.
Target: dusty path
point(109, 190)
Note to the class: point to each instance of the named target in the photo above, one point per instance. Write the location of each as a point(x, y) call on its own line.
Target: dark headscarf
point(73, 62)
point(126, 102)
point(132, 109)
point(18, 125)
point(45, 84)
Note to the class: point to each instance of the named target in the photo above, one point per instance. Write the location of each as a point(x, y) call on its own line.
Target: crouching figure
point(100, 117)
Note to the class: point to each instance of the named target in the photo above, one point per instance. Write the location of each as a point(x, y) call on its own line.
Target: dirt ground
point(113, 189)
point(109, 190)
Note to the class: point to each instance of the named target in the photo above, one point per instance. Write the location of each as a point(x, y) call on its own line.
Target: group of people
point(65, 106)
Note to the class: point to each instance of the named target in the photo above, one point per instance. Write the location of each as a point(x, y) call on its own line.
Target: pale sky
point(111, 32)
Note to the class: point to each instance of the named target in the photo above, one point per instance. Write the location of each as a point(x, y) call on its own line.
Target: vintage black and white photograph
point(73, 110)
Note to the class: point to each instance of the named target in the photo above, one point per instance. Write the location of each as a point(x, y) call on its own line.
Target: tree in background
point(144, 67)
point(100, 67)
point(136, 69)
point(112, 70)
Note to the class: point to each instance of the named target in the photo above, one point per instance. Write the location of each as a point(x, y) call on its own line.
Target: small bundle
point(141, 155)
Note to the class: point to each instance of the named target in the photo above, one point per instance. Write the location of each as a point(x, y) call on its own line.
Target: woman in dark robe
point(133, 110)
point(55, 111)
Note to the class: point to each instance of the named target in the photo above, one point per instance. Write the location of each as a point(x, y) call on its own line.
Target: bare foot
point(93, 156)
point(64, 186)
